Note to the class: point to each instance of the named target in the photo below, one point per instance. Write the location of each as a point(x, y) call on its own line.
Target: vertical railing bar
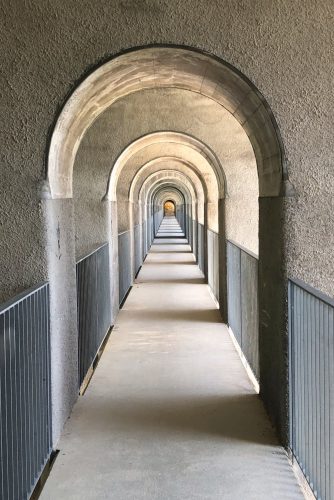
point(314, 390)
point(307, 384)
point(297, 358)
point(42, 381)
point(37, 384)
point(84, 319)
point(46, 374)
point(16, 470)
point(36, 335)
point(18, 335)
point(49, 367)
point(46, 369)
point(31, 394)
point(322, 394)
point(34, 388)
point(240, 300)
point(331, 401)
point(79, 315)
point(303, 364)
point(2, 411)
point(25, 385)
point(300, 379)
point(318, 476)
point(41, 375)
point(10, 350)
point(6, 407)
point(327, 399)
point(323, 425)
point(311, 388)
point(22, 397)
point(291, 366)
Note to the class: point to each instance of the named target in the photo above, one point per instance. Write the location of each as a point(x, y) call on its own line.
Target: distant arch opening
point(169, 208)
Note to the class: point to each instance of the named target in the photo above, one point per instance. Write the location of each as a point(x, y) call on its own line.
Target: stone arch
point(188, 146)
point(167, 66)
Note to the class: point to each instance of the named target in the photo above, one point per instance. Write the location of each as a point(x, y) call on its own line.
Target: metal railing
point(242, 302)
point(311, 339)
point(137, 248)
point(213, 262)
point(201, 247)
point(124, 260)
point(94, 305)
point(25, 402)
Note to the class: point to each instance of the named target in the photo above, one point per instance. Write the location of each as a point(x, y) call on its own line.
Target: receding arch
point(193, 173)
point(192, 151)
point(178, 67)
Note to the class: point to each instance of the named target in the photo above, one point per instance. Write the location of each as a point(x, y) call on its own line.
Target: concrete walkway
point(170, 413)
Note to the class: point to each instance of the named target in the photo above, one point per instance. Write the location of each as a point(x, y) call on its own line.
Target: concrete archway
point(200, 74)
point(166, 67)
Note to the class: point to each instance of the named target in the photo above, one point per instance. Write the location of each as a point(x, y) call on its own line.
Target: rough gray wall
point(22, 238)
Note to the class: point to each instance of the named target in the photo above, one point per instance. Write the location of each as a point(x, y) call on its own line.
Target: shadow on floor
point(170, 241)
point(189, 281)
point(238, 417)
point(174, 315)
point(170, 262)
point(161, 250)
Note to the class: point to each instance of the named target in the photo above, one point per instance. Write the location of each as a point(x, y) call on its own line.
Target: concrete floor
point(170, 412)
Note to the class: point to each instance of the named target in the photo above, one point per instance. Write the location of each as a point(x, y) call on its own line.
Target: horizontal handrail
point(95, 249)
point(246, 250)
point(313, 291)
point(21, 296)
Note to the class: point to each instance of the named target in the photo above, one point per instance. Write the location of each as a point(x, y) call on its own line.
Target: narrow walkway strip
point(170, 413)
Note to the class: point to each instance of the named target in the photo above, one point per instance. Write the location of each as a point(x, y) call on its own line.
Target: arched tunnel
point(163, 213)
point(134, 135)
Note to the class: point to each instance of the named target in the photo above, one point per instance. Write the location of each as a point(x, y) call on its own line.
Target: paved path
point(170, 413)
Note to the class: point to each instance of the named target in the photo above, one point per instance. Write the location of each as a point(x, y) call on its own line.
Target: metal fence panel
point(242, 302)
point(137, 248)
point(234, 289)
point(194, 241)
point(145, 245)
point(124, 259)
point(249, 310)
point(94, 305)
point(25, 392)
point(311, 335)
point(213, 262)
point(200, 239)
